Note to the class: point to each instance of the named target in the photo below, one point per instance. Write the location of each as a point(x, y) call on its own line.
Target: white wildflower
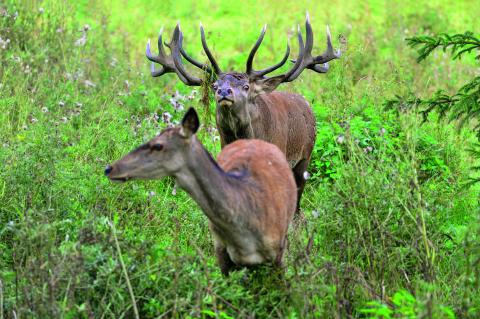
point(178, 107)
point(166, 117)
point(4, 43)
point(81, 41)
point(367, 149)
point(192, 95)
point(41, 10)
point(89, 84)
point(306, 175)
point(44, 109)
point(315, 213)
point(340, 139)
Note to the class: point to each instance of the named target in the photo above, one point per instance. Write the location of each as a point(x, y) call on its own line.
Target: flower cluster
point(4, 43)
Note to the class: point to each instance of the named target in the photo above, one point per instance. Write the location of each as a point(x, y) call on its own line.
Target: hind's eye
point(214, 87)
point(246, 87)
point(157, 147)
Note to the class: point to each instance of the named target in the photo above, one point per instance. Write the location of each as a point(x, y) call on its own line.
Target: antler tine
point(214, 63)
point(251, 55)
point(175, 46)
point(309, 35)
point(192, 60)
point(260, 73)
point(148, 52)
point(306, 58)
point(319, 63)
point(195, 62)
point(329, 53)
point(297, 67)
point(160, 59)
point(168, 61)
point(263, 72)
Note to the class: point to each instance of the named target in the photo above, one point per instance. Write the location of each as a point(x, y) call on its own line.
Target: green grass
point(387, 231)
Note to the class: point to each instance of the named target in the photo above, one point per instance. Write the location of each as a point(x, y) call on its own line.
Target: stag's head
point(164, 155)
point(233, 90)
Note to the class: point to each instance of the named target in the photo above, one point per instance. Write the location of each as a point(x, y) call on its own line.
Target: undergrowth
point(387, 229)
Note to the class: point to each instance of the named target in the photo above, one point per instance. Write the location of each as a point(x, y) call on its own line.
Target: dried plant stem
point(1, 299)
point(130, 289)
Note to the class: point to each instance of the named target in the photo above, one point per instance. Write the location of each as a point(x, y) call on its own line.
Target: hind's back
point(264, 167)
point(257, 156)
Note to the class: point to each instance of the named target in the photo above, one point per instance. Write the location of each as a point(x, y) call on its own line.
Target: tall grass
point(387, 227)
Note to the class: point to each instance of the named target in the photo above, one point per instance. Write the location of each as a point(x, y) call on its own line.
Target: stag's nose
point(108, 169)
point(224, 92)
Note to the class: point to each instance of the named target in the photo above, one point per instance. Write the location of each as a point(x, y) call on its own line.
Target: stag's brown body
point(248, 106)
point(280, 118)
point(249, 196)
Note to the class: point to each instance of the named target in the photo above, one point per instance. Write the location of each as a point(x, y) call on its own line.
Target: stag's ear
point(190, 123)
point(268, 85)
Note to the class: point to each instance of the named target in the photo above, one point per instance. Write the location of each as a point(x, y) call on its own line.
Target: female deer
point(249, 195)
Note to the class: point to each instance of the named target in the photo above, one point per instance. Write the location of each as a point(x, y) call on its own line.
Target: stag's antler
point(173, 63)
point(305, 60)
point(319, 63)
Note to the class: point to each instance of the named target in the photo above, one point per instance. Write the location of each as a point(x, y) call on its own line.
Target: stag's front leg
point(223, 259)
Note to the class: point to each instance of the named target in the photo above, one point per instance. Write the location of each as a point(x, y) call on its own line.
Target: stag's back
point(286, 120)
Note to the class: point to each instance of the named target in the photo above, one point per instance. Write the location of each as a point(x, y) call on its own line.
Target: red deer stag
point(249, 195)
point(248, 105)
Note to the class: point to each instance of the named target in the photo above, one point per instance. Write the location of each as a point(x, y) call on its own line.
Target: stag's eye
point(246, 87)
point(156, 147)
point(215, 87)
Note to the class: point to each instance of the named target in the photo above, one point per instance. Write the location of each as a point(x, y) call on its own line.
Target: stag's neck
point(209, 185)
point(234, 124)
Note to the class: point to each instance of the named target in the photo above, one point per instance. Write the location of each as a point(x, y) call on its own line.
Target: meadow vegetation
point(389, 228)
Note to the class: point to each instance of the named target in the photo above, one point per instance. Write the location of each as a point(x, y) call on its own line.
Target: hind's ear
point(190, 123)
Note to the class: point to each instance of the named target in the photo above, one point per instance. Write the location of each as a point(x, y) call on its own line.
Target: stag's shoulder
point(285, 96)
point(284, 101)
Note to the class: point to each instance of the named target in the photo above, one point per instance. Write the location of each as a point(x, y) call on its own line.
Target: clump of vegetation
point(462, 107)
point(388, 228)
